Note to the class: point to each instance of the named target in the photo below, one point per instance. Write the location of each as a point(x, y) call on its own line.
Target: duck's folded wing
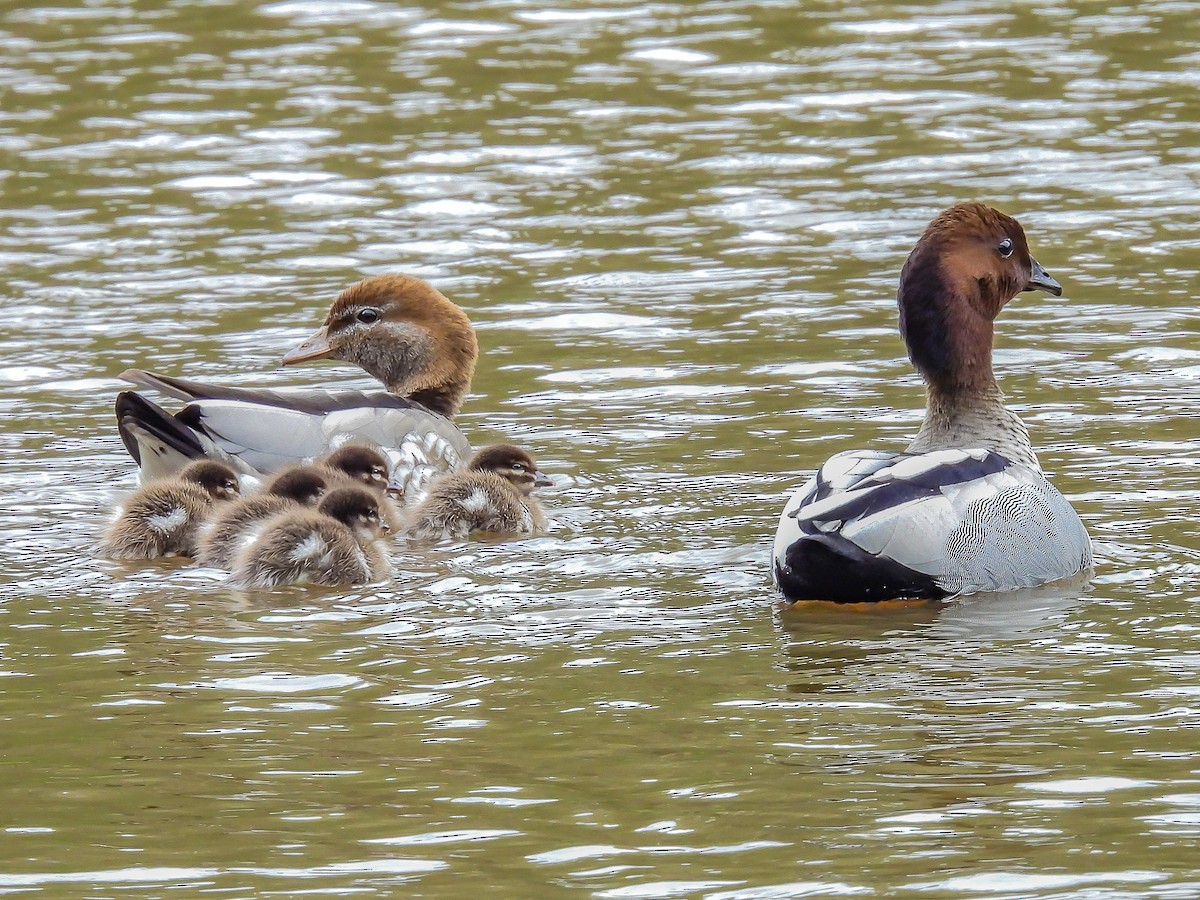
point(261, 438)
point(261, 431)
point(940, 523)
point(314, 401)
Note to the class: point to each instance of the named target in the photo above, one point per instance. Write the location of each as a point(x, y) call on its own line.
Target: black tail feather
point(136, 413)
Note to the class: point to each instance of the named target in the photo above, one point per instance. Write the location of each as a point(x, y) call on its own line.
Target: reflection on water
point(678, 228)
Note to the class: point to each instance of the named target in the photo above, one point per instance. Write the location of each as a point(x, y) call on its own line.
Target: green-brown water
point(678, 228)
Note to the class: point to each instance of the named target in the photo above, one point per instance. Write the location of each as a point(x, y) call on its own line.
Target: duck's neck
point(966, 419)
point(947, 326)
point(416, 366)
point(445, 400)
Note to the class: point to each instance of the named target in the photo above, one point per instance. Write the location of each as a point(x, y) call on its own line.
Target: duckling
point(368, 467)
point(398, 328)
point(362, 465)
point(494, 494)
point(163, 519)
point(965, 508)
point(336, 544)
point(234, 527)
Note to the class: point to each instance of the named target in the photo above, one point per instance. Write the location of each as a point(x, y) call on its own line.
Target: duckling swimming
point(494, 494)
point(366, 466)
point(164, 518)
point(363, 465)
point(236, 526)
point(335, 544)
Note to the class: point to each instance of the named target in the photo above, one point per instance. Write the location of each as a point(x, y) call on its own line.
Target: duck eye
point(518, 467)
point(1005, 248)
point(368, 316)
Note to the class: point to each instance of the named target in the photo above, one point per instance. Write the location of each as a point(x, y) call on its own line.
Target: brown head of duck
point(404, 332)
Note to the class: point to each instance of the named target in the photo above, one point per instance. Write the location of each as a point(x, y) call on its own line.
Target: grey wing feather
point(315, 401)
point(263, 438)
point(1021, 536)
point(261, 431)
point(418, 443)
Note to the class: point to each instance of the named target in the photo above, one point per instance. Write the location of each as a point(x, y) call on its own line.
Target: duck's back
point(262, 431)
point(236, 526)
point(875, 526)
point(302, 546)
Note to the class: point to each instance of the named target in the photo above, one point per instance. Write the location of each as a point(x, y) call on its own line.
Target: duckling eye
point(518, 467)
point(368, 316)
point(1005, 248)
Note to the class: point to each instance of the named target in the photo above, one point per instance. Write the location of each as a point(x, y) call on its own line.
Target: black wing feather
point(135, 412)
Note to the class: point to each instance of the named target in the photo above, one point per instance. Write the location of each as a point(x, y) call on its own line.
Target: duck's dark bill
point(1041, 280)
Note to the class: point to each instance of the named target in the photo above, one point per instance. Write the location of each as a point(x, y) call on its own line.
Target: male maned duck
point(396, 327)
point(494, 494)
point(966, 508)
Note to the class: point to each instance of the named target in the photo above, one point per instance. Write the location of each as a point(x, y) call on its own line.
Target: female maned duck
point(966, 508)
point(396, 327)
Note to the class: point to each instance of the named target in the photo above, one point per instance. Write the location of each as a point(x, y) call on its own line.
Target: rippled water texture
point(678, 228)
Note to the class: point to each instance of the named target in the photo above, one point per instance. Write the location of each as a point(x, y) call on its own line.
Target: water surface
point(677, 228)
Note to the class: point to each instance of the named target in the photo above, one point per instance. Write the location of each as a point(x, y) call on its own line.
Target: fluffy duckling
point(965, 508)
point(398, 328)
point(234, 527)
point(368, 467)
point(164, 518)
point(494, 494)
point(362, 465)
point(336, 544)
